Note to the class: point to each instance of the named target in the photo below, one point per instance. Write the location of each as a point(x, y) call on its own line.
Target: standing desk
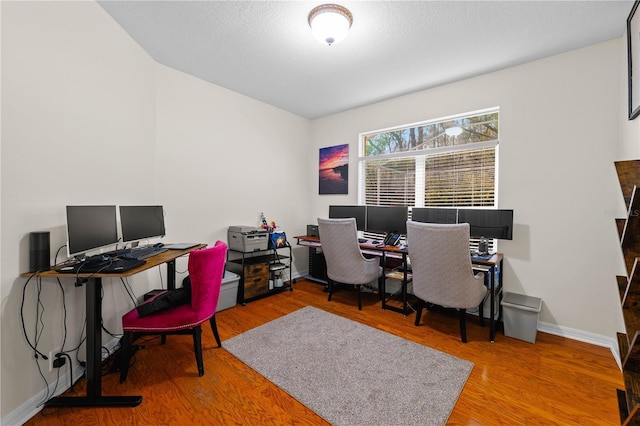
point(488, 266)
point(93, 287)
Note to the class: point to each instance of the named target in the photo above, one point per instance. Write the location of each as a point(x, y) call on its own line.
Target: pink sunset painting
point(334, 170)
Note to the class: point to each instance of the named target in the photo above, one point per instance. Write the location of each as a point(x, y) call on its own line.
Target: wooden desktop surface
point(150, 262)
point(315, 242)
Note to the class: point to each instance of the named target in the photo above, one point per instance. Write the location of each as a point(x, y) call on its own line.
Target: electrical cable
point(52, 394)
point(39, 330)
point(64, 317)
point(160, 274)
point(82, 340)
point(24, 329)
point(110, 333)
point(39, 312)
point(127, 287)
point(38, 334)
point(62, 354)
point(64, 307)
point(48, 394)
point(55, 258)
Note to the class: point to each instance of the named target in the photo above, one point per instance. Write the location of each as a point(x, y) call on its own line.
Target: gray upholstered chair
point(442, 273)
point(345, 262)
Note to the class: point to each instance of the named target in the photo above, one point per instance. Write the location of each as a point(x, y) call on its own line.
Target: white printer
point(247, 238)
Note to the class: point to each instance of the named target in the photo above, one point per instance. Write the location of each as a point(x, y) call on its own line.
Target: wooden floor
point(555, 381)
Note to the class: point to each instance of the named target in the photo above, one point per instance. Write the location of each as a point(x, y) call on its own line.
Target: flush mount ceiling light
point(453, 131)
point(330, 23)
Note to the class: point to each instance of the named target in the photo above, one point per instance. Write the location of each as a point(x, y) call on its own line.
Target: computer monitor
point(434, 215)
point(387, 219)
point(90, 228)
point(358, 212)
point(141, 222)
point(488, 223)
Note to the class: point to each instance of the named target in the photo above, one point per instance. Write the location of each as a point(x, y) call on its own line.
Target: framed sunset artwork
point(333, 170)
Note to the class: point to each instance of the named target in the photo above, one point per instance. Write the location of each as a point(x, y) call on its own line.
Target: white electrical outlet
point(52, 357)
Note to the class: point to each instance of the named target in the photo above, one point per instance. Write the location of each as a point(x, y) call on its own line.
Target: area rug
point(352, 374)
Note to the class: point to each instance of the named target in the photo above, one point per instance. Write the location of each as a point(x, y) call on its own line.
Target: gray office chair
point(345, 262)
point(442, 273)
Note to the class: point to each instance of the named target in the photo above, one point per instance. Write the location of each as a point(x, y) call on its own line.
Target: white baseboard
point(583, 336)
point(34, 405)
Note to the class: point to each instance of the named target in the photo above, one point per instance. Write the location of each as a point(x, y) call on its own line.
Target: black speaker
point(39, 252)
point(312, 231)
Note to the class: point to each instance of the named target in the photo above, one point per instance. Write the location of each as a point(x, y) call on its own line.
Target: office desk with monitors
point(490, 266)
point(93, 288)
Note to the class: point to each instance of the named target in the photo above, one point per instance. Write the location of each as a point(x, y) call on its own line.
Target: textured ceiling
point(264, 49)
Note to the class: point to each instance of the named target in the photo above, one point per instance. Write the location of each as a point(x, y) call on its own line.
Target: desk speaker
point(312, 231)
point(39, 251)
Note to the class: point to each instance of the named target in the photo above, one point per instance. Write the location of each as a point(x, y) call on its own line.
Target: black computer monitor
point(141, 222)
point(358, 212)
point(90, 228)
point(488, 223)
point(387, 219)
point(434, 215)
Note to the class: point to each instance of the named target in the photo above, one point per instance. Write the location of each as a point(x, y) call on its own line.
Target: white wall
point(78, 121)
point(85, 110)
point(224, 158)
point(559, 121)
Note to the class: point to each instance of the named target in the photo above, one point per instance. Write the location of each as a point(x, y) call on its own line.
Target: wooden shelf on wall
point(629, 289)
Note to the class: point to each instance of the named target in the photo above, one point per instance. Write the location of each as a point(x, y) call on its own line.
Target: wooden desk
point(488, 267)
point(94, 397)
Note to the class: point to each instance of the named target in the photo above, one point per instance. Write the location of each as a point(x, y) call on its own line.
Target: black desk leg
point(93, 290)
point(405, 283)
point(405, 303)
point(171, 275)
point(492, 287)
point(382, 282)
point(94, 396)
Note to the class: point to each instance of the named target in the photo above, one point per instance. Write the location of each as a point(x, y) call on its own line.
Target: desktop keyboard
point(141, 253)
point(117, 253)
point(103, 266)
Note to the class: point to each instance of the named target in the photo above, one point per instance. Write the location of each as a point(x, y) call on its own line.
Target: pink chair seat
point(178, 318)
point(206, 269)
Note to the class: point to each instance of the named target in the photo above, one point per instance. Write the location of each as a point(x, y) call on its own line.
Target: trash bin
point(228, 291)
point(520, 316)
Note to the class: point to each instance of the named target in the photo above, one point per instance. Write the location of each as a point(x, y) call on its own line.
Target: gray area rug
point(352, 374)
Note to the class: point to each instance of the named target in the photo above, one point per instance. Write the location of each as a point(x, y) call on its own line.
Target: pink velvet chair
point(206, 269)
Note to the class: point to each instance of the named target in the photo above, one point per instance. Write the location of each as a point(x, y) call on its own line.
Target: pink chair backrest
point(206, 269)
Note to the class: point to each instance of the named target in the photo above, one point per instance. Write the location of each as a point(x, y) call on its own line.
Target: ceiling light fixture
point(330, 23)
point(453, 131)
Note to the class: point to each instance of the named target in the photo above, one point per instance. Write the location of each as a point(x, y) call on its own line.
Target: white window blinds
point(449, 163)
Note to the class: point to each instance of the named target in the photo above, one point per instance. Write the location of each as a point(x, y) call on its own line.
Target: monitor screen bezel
point(488, 223)
point(90, 228)
point(145, 232)
point(346, 211)
point(434, 215)
point(398, 223)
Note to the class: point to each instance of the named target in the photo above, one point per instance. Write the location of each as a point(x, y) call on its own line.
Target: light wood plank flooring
point(555, 381)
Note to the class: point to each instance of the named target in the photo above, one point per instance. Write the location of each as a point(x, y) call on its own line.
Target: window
point(449, 162)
